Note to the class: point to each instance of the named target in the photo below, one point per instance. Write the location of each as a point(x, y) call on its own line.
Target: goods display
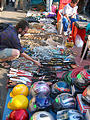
point(82, 105)
point(60, 87)
point(18, 102)
point(46, 92)
point(69, 114)
point(19, 89)
point(40, 87)
point(86, 95)
point(40, 102)
point(64, 101)
point(82, 80)
point(42, 115)
point(21, 114)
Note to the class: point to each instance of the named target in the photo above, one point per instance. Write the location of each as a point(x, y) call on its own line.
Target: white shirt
point(69, 11)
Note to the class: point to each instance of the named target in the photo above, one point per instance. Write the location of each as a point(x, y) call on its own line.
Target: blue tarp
point(35, 2)
point(8, 111)
point(56, 0)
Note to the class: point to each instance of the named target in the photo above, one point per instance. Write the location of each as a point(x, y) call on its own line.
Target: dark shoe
point(15, 9)
point(25, 11)
point(1, 9)
point(2, 65)
point(6, 64)
point(13, 4)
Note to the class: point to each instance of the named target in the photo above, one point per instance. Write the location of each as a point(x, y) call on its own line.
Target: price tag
point(73, 90)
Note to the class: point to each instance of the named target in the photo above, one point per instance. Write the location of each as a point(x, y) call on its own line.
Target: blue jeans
point(66, 22)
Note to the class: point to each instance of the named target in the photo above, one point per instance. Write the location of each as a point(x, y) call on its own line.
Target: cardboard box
point(82, 107)
point(87, 115)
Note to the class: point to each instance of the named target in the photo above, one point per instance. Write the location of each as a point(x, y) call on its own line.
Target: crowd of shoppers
point(23, 4)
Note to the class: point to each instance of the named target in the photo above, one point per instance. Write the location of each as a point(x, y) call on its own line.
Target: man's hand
point(73, 16)
point(29, 58)
point(67, 18)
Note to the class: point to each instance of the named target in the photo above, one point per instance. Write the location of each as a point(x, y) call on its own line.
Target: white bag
point(78, 41)
point(89, 41)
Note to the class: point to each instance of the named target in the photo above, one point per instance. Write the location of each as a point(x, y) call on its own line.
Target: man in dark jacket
point(10, 47)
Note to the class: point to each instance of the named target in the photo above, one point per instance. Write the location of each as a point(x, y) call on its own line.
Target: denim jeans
point(66, 22)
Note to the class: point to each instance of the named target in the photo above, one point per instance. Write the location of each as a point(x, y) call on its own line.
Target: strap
point(3, 26)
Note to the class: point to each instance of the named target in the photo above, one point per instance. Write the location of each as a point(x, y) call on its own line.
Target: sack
point(3, 26)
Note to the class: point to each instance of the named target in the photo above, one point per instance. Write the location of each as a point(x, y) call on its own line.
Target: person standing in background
point(13, 3)
point(85, 1)
point(17, 3)
point(23, 4)
point(2, 5)
point(7, 2)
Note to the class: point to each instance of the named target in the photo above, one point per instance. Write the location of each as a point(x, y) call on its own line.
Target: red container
point(65, 1)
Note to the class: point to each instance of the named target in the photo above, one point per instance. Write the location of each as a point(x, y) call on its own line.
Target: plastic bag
point(78, 41)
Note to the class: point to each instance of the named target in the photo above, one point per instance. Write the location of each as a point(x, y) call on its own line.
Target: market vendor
point(10, 47)
point(69, 12)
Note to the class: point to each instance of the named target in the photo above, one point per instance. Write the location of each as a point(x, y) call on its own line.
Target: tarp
point(35, 2)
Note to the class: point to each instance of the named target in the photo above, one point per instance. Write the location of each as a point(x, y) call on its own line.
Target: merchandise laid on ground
point(59, 89)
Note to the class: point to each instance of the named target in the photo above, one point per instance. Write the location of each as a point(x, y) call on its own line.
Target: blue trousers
point(66, 22)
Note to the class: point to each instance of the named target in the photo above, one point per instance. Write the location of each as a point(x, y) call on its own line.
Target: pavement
point(7, 16)
point(11, 16)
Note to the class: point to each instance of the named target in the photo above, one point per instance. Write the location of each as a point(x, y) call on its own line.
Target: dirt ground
point(8, 16)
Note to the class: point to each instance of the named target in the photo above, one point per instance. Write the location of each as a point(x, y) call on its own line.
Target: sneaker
point(24, 10)
point(65, 33)
point(1, 9)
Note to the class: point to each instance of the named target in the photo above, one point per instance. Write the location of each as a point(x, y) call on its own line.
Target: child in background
point(69, 12)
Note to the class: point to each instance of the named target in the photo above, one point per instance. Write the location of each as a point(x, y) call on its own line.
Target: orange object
point(75, 31)
point(61, 6)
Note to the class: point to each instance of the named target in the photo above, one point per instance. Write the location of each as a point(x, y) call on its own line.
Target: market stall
point(49, 91)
